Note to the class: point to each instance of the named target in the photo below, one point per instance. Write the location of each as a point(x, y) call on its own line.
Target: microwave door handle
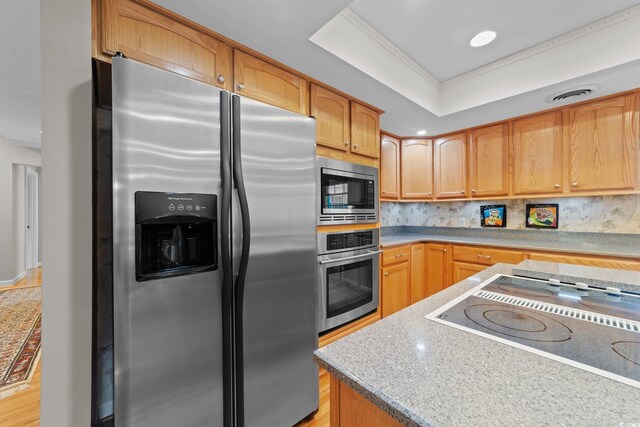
point(350, 257)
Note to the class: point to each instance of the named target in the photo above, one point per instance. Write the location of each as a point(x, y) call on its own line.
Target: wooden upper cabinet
point(157, 39)
point(489, 161)
point(602, 145)
point(262, 81)
point(417, 168)
point(537, 154)
point(449, 166)
point(389, 168)
point(365, 131)
point(333, 125)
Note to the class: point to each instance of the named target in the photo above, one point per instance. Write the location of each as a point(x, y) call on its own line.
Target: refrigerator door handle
point(227, 267)
point(244, 257)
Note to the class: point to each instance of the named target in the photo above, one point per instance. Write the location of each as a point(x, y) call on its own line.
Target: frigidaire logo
point(179, 198)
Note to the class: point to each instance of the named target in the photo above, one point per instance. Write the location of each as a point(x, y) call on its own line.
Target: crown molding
point(550, 44)
point(372, 33)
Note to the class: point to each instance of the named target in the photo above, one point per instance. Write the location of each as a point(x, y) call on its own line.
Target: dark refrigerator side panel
point(102, 340)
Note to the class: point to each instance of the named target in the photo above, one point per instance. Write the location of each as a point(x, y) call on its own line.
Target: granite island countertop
point(429, 374)
point(606, 244)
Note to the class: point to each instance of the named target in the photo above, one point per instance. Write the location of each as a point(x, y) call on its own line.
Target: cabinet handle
point(429, 193)
point(386, 274)
point(220, 79)
point(473, 190)
point(461, 191)
point(556, 186)
point(346, 143)
point(574, 184)
point(240, 86)
point(355, 146)
point(484, 256)
point(441, 250)
point(398, 255)
point(444, 250)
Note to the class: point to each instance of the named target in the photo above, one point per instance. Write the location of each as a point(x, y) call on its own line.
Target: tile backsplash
point(602, 214)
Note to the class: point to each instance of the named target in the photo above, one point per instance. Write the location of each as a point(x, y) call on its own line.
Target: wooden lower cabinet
point(438, 267)
point(418, 273)
point(591, 261)
point(396, 292)
point(350, 409)
point(462, 270)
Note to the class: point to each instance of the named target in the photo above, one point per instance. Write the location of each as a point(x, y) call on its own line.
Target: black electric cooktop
point(590, 328)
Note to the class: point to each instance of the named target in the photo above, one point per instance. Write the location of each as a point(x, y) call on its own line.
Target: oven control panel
point(347, 240)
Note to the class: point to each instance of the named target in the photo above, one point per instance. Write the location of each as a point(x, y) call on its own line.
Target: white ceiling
point(20, 71)
point(436, 33)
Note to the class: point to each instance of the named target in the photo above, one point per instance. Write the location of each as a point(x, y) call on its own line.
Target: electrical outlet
point(462, 222)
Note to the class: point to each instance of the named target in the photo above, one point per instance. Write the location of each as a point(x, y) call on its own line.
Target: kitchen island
point(407, 370)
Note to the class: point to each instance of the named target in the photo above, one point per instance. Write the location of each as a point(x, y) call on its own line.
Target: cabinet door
point(389, 168)
point(489, 161)
point(265, 82)
point(395, 288)
point(142, 33)
point(365, 131)
point(333, 126)
point(450, 166)
point(418, 279)
point(438, 267)
point(537, 154)
point(602, 145)
point(462, 270)
point(417, 168)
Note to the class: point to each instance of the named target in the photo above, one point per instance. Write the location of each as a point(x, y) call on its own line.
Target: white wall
point(10, 155)
point(66, 212)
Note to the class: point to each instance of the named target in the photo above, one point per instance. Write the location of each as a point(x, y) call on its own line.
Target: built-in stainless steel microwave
point(347, 192)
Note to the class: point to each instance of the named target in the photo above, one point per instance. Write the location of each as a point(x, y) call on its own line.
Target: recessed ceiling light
point(483, 38)
point(421, 132)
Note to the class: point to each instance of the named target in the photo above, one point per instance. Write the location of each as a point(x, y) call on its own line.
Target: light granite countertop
point(608, 244)
point(425, 373)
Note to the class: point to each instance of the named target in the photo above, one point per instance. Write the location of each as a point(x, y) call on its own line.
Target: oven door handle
point(350, 257)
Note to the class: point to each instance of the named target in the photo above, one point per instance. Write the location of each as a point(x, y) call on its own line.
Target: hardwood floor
point(23, 407)
point(322, 417)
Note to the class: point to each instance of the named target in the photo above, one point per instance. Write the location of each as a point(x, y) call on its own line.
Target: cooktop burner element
point(517, 322)
point(594, 329)
point(629, 350)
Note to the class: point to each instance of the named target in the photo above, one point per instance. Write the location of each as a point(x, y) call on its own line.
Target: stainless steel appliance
point(347, 192)
point(587, 327)
point(348, 276)
point(214, 284)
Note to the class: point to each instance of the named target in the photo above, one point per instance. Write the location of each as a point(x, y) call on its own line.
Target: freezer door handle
point(244, 257)
point(225, 250)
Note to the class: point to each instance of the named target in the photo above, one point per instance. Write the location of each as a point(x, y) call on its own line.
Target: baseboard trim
point(13, 281)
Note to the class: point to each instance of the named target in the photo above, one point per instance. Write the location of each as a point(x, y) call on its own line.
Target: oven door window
point(346, 194)
point(349, 286)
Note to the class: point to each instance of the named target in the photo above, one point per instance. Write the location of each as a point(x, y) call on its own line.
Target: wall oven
point(348, 276)
point(347, 192)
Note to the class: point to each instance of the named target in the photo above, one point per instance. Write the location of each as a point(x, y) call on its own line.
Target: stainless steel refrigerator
point(214, 252)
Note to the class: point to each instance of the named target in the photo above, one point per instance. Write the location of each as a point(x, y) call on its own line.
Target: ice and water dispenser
point(176, 234)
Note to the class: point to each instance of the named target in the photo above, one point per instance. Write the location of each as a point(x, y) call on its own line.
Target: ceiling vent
point(572, 93)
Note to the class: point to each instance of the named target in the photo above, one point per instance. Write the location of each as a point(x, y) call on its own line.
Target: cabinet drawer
point(486, 256)
point(620, 264)
point(396, 254)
